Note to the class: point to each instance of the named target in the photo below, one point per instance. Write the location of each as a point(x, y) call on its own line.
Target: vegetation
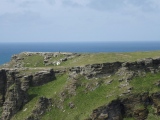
point(37, 60)
point(90, 94)
point(92, 98)
point(49, 90)
point(33, 61)
point(146, 84)
point(85, 101)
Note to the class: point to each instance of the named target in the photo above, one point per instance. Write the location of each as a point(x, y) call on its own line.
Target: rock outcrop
point(97, 70)
point(14, 86)
point(128, 69)
point(48, 58)
point(3, 80)
point(133, 105)
point(40, 108)
point(42, 77)
point(113, 111)
point(15, 97)
point(13, 89)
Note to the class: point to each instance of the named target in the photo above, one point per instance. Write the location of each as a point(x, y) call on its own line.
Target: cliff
point(14, 89)
point(98, 91)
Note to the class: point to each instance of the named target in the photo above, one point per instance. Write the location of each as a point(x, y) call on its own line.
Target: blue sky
point(79, 20)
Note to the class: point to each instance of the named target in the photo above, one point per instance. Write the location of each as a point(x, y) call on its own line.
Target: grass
point(33, 61)
point(151, 115)
point(48, 90)
point(84, 102)
point(145, 84)
point(93, 58)
point(88, 58)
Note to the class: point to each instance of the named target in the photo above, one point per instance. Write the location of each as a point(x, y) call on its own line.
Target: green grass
point(86, 58)
point(84, 102)
point(48, 90)
point(145, 84)
point(92, 58)
point(151, 115)
point(33, 61)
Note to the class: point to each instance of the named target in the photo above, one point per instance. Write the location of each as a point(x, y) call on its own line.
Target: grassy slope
point(86, 102)
point(146, 84)
point(49, 90)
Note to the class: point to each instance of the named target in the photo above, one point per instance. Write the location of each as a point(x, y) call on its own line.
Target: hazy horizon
point(80, 41)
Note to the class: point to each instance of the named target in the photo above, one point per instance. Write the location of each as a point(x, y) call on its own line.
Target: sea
point(9, 49)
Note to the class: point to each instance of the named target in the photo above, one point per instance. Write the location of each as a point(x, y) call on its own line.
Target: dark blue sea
point(8, 49)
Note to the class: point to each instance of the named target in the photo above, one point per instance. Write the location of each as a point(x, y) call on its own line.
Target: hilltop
point(81, 86)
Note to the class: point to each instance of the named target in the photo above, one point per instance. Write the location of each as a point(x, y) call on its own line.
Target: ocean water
point(9, 49)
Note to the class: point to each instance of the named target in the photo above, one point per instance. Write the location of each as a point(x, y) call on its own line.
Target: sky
point(79, 20)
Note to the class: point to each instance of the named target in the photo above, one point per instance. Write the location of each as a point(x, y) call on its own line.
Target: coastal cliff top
point(88, 86)
point(60, 60)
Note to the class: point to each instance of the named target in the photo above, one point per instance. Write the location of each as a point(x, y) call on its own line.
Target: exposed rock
point(15, 97)
point(140, 114)
point(157, 83)
point(63, 59)
point(126, 69)
point(97, 70)
point(109, 82)
point(40, 108)
point(110, 112)
point(71, 105)
point(13, 89)
point(42, 77)
point(26, 82)
point(3, 79)
point(103, 116)
point(124, 107)
point(45, 61)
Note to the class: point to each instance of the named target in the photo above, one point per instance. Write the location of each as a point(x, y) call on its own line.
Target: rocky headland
point(16, 78)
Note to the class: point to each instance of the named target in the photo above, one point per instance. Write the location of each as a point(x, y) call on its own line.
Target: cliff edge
point(35, 86)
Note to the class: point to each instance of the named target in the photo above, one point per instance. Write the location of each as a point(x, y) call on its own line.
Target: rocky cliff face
point(2, 86)
point(107, 69)
point(14, 88)
point(40, 108)
point(133, 105)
